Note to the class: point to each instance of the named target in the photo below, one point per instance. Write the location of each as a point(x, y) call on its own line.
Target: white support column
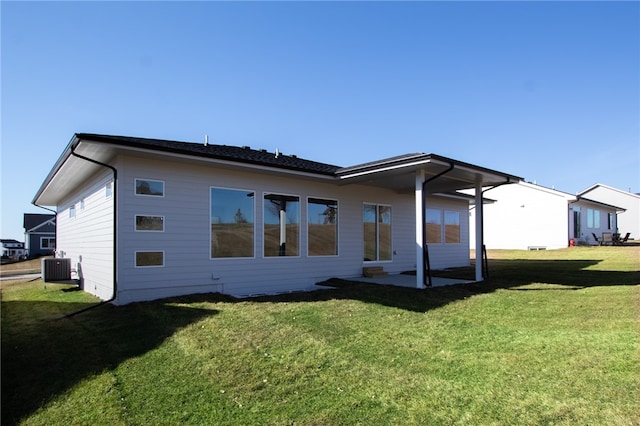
point(419, 230)
point(479, 219)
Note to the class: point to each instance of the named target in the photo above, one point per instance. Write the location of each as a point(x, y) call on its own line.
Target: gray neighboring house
point(39, 234)
point(629, 221)
point(142, 219)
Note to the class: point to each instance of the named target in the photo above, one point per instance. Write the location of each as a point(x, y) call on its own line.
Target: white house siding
point(524, 216)
point(628, 221)
point(185, 241)
point(87, 239)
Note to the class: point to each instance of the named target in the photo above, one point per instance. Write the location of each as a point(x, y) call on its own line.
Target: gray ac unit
point(57, 269)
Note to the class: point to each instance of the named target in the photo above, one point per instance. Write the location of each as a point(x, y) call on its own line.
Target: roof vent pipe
point(206, 140)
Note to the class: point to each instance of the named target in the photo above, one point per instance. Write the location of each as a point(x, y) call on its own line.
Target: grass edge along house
point(142, 219)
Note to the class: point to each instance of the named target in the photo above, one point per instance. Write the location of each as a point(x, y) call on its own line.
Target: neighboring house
point(12, 249)
point(629, 221)
point(143, 219)
point(39, 234)
point(526, 216)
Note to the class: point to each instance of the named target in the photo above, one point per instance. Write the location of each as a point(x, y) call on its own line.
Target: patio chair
point(607, 239)
point(620, 241)
point(597, 239)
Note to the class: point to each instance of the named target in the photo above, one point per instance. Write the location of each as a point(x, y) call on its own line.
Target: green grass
point(552, 338)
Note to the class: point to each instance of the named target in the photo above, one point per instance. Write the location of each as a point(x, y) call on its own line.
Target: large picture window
point(281, 225)
point(322, 227)
point(377, 232)
point(451, 227)
point(154, 188)
point(232, 223)
point(434, 226)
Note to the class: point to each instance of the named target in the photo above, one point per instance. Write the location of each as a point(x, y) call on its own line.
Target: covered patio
point(428, 174)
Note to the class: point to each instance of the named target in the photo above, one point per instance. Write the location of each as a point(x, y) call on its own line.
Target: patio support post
point(419, 229)
point(479, 233)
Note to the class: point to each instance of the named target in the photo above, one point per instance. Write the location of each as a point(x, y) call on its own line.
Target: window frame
point(253, 228)
point(135, 223)
point(72, 211)
point(135, 259)
point(444, 215)
point(264, 225)
point(377, 232)
point(336, 224)
point(42, 239)
point(135, 187)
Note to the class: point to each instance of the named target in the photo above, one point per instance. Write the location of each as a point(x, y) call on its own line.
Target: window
point(451, 227)
point(322, 227)
point(281, 225)
point(434, 226)
point(108, 189)
point(377, 232)
point(145, 259)
point(593, 218)
point(149, 223)
point(576, 222)
point(72, 211)
point(610, 224)
point(153, 188)
point(47, 243)
point(232, 223)
point(82, 204)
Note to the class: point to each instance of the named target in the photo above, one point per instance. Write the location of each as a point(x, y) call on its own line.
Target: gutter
point(115, 231)
point(427, 280)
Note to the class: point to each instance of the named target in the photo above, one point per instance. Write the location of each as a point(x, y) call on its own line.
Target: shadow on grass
point(44, 355)
point(43, 358)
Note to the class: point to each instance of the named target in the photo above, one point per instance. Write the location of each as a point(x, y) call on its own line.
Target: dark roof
point(31, 220)
point(220, 152)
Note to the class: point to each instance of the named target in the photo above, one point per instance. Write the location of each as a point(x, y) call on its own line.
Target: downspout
point(426, 278)
point(115, 232)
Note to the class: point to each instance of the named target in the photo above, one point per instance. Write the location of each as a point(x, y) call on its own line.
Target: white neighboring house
point(526, 216)
point(12, 248)
point(629, 221)
point(143, 219)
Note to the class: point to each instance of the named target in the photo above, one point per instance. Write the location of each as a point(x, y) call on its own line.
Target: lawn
point(551, 338)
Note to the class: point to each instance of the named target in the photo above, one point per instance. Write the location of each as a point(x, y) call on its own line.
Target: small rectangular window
point(150, 223)
point(322, 227)
point(153, 188)
point(47, 243)
point(610, 224)
point(72, 211)
point(108, 189)
point(149, 259)
point(593, 218)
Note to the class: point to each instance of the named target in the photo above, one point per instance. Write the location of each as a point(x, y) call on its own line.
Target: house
point(143, 219)
point(629, 221)
point(12, 249)
point(526, 216)
point(39, 234)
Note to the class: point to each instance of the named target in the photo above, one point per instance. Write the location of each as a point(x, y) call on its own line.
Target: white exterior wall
point(628, 221)
point(524, 216)
point(87, 239)
point(185, 241)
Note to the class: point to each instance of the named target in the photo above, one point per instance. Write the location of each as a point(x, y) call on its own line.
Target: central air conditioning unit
point(56, 269)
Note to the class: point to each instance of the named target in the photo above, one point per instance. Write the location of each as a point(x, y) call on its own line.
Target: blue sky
point(549, 91)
